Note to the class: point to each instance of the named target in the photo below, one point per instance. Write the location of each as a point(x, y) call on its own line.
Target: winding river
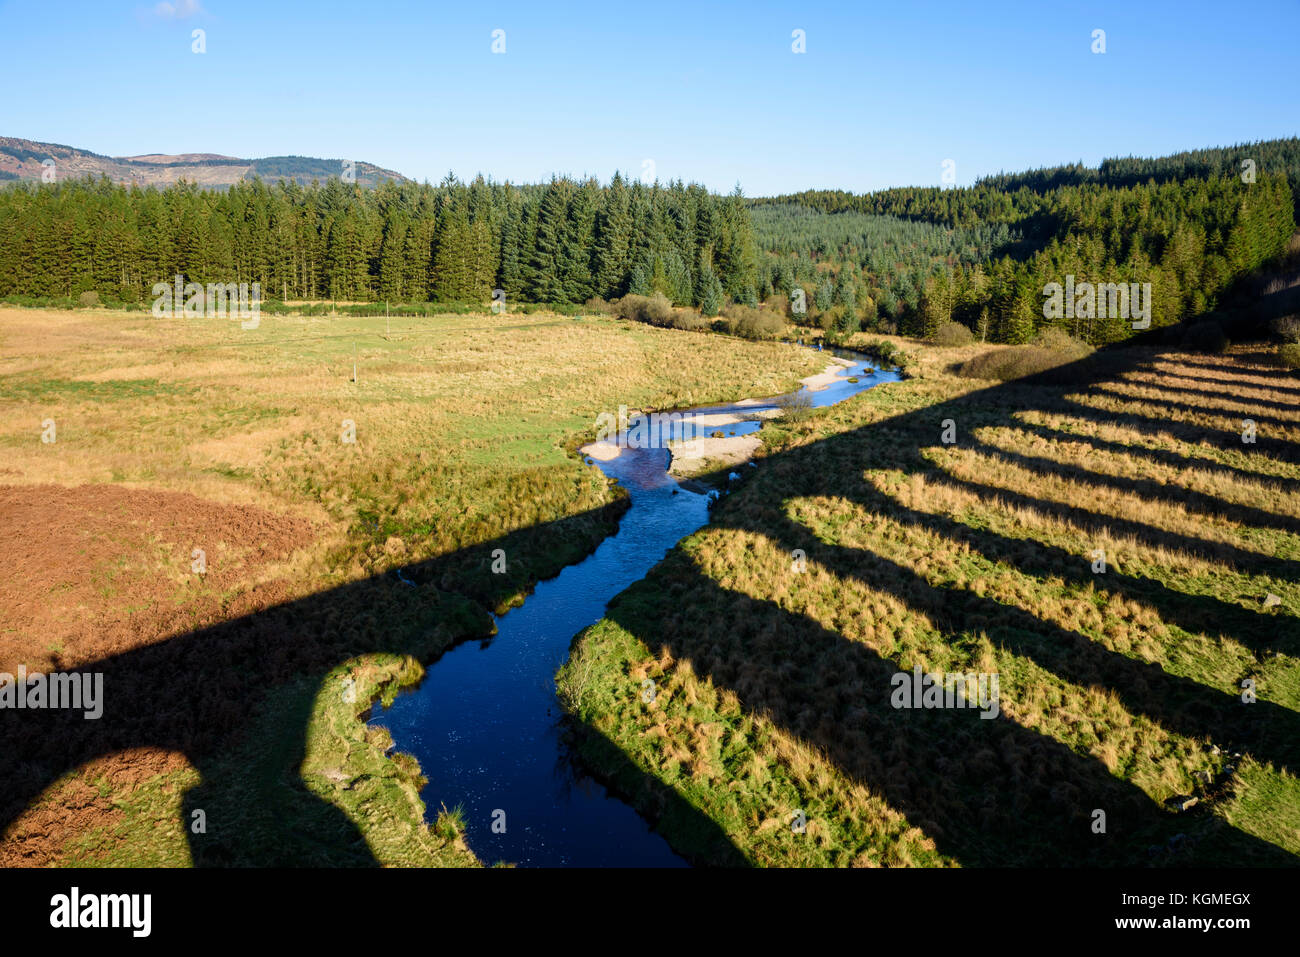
point(485, 722)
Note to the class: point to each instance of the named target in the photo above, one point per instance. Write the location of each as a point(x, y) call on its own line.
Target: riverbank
point(711, 453)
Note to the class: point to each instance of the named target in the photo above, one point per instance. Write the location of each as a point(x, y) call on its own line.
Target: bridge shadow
point(990, 792)
point(987, 791)
point(206, 693)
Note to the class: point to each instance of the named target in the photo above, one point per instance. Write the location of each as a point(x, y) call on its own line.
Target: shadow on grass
point(987, 791)
point(203, 694)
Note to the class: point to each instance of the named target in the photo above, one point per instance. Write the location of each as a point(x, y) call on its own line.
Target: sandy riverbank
point(706, 454)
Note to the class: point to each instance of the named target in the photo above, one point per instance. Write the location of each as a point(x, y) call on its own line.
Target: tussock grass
point(1119, 690)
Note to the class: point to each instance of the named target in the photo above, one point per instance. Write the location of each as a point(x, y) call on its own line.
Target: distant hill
point(26, 159)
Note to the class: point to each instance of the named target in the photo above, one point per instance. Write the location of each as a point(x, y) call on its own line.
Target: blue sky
point(712, 93)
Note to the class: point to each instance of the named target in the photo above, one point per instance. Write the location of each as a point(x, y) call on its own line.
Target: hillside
point(26, 159)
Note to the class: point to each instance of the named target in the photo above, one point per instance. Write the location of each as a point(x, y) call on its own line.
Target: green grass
point(74, 390)
point(1117, 689)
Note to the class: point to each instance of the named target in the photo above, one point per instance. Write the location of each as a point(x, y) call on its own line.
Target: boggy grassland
point(1121, 691)
point(233, 686)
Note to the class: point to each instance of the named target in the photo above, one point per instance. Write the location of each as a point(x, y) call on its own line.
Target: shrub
point(1286, 328)
point(1052, 348)
point(762, 325)
point(687, 319)
point(1205, 336)
point(631, 306)
point(752, 323)
point(657, 310)
point(1058, 340)
point(795, 407)
point(88, 298)
point(951, 335)
point(1289, 355)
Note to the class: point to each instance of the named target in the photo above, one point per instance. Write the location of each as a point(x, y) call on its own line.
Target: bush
point(1013, 363)
point(88, 298)
point(884, 350)
point(1289, 355)
point(1052, 349)
point(687, 320)
point(1205, 337)
point(795, 407)
point(1058, 340)
point(657, 310)
point(752, 323)
point(1286, 328)
point(951, 335)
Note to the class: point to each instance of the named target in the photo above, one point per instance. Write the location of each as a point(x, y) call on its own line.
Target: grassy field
point(864, 545)
point(201, 531)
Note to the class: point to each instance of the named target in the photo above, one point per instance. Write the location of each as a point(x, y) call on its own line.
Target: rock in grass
point(1271, 600)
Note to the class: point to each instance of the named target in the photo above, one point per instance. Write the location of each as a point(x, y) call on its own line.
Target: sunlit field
point(1113, 540)
point(216, 511)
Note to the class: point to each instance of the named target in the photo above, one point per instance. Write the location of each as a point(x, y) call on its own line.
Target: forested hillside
point(1188, 224)
point(858, 269)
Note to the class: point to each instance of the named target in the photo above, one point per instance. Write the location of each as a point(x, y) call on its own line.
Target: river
point(485, 722)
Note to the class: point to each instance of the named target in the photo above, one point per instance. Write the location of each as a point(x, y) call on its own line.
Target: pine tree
point(613, 240)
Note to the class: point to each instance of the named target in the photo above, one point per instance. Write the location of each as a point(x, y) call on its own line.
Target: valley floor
point(202, 529)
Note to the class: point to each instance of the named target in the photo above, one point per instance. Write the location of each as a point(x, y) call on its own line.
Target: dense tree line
point(1268, 156)
point(1189, 239)
point(1020, 198)
point(561, 242)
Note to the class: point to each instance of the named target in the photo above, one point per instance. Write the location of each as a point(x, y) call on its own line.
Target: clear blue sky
point(711, 93)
